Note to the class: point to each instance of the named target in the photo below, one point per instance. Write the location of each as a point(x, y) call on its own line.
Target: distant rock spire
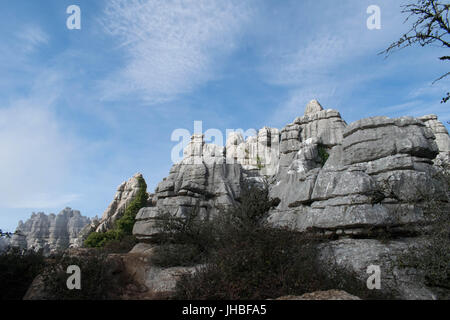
point(313, 107)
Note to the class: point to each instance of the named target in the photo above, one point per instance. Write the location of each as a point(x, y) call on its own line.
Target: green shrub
point(123, 227)
point(259, 163)
point(99, 240)
point(126, 222)
point(323, 154)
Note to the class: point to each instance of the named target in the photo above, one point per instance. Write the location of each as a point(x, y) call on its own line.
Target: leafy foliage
point(323, 154)
point(259, 163)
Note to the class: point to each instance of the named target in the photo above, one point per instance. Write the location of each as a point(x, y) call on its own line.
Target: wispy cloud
point(171, 46)
point(332, 61)
point(32, 37)
point(37, 152)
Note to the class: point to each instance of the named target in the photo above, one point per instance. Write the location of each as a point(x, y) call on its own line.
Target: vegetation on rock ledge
point(123, 227)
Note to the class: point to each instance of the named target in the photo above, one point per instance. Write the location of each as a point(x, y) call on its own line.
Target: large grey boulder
point(50, 233)
point(357, 255)
point(378, 137)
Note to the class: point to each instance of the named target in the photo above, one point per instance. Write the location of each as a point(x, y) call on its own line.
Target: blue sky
point(83, 110)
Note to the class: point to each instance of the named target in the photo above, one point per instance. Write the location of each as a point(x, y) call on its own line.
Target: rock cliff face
point(370, 180)
point(347, 181)
point(51, 233)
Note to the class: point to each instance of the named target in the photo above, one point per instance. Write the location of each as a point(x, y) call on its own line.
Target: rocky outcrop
point(50, 233)
point(349, 182)
point(209, 177)
point(372, 179)
point(325, 127)
point(203, 182)
point(126, 193)
point(357, 255)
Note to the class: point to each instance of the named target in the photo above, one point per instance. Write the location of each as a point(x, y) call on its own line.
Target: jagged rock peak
point(50, 233)
point(313, 107)
point(126, 192)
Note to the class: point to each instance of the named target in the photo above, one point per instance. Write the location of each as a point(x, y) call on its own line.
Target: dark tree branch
point(431, 26)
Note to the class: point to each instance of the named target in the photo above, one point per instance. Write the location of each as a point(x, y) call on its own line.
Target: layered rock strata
point(351, 182)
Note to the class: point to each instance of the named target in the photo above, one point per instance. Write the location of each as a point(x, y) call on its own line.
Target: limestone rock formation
point(203, 181)
point(351, 182)
point(370, 180)
point(51, 233)
point(126, 193)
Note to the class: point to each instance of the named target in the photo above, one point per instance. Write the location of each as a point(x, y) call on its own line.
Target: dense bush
point(432, 259)
point(243, 258)
point(17, 270)
point(123, 227)
point(99, 278)
point(267, 263)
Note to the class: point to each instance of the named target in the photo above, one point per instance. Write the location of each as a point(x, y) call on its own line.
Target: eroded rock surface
point(126, 193)
point(351, 182)
point(203, 181)
point(50, 233)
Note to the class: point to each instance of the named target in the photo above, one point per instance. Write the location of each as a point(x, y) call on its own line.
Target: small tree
point(431, 26)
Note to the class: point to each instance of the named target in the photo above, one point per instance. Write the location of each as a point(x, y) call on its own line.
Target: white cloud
point(32, 37)
point(172, 46)
point(37, 153)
